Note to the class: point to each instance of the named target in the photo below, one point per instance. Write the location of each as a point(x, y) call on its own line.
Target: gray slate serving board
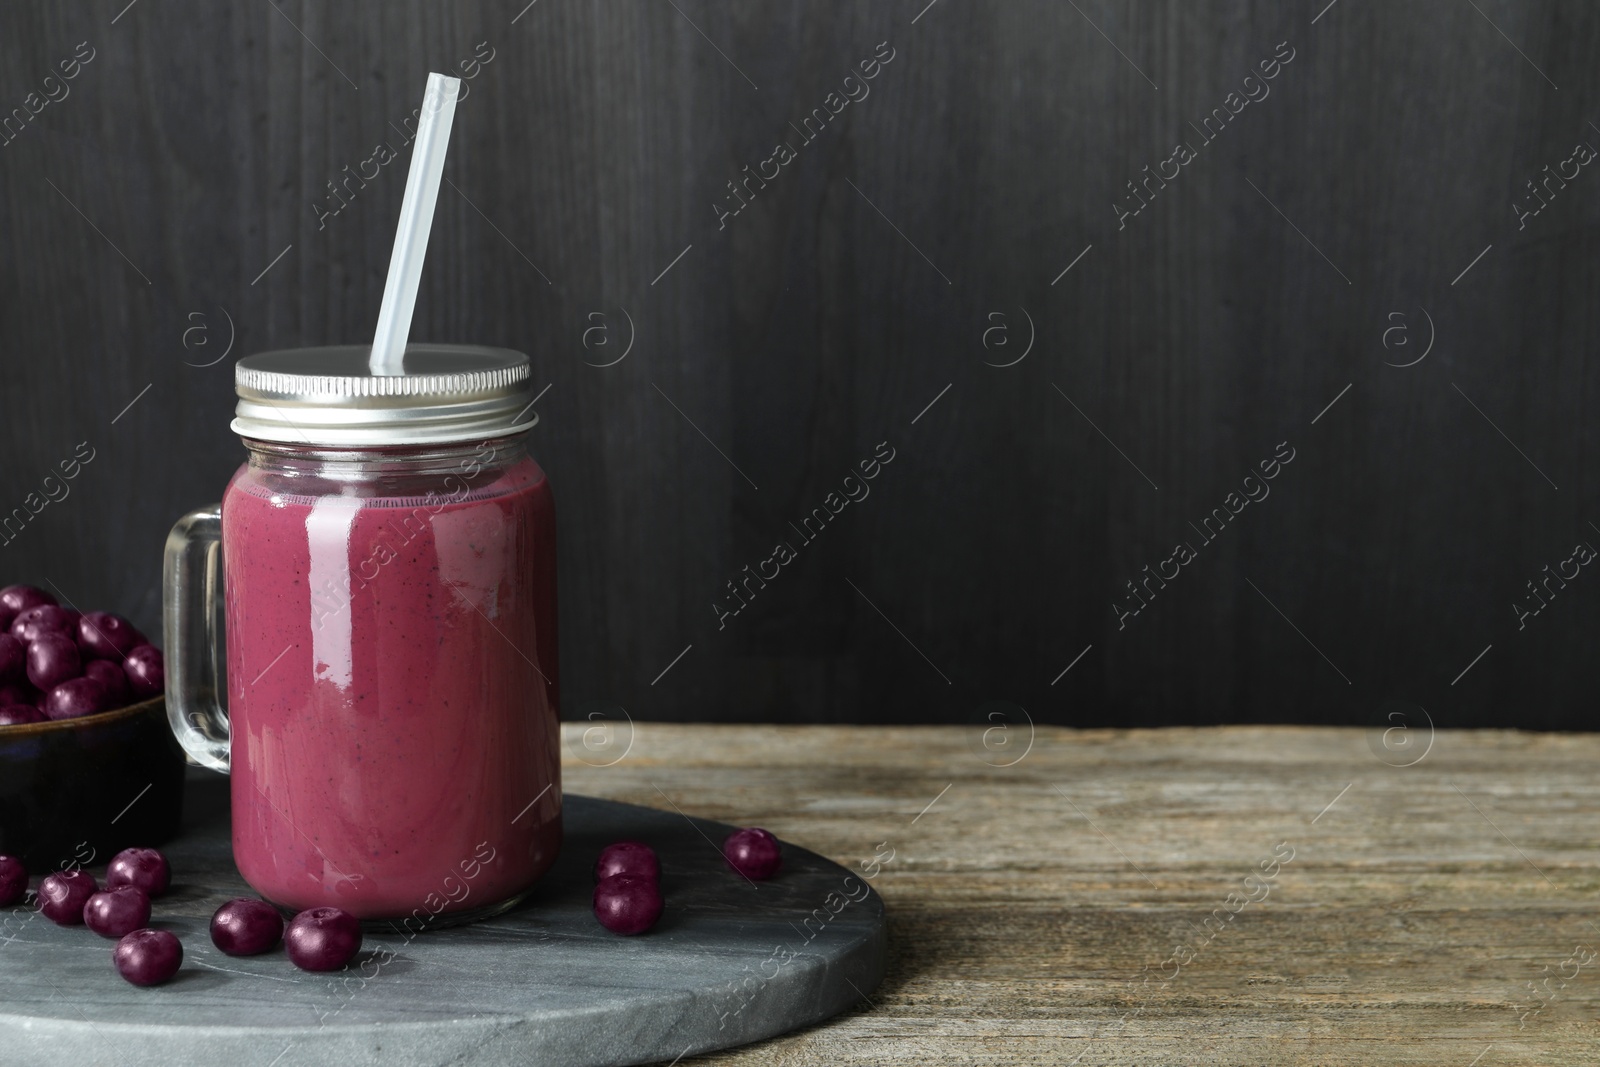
point(729, 962)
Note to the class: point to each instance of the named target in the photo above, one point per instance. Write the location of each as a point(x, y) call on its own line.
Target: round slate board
point(730, 962)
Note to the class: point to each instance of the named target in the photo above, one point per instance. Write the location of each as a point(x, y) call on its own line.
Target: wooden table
point(1056, 910)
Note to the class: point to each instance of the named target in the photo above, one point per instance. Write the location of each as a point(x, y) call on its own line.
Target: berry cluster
point(627, 892)
point(318, 939)
point(56, 663)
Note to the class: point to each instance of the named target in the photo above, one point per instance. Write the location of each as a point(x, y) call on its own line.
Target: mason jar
point(363, 635)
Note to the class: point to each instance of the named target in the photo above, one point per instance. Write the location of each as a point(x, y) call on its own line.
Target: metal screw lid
point(329, 396)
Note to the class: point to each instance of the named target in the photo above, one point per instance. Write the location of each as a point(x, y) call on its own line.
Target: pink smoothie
point(392, 691)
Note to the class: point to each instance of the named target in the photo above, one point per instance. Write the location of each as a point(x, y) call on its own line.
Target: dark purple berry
point(52, 659)
point(45, 619)
point(20, 715)
point(13, 659)
point(13, 881)
point(632, 858)
point(73, 699)
point(102, 635)
point(753, 852)
point(627, 905)
point(245, 927)
point(145, 868)
point(148, 957)
point(112, 680)
point(62, 896)
point(117, 911)
point(322, 939)
point(146, 676)
point(19, 598)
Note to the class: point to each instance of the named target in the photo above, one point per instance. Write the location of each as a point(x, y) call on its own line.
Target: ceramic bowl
point(77, 791)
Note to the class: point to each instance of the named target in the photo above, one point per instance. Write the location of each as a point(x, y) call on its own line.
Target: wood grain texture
point(1035, 909)
point(790, 339)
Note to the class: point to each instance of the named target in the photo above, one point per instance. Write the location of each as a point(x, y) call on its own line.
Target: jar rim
point(329, 396)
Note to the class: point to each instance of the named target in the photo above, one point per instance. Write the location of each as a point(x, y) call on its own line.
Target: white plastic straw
point(416, 220)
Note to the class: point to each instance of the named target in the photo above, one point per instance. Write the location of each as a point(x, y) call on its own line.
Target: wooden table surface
point(1237, 895)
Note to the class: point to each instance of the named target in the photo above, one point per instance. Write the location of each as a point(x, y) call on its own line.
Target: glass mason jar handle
point(192, 614)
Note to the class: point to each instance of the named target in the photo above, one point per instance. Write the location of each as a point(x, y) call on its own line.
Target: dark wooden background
point(138, 214)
